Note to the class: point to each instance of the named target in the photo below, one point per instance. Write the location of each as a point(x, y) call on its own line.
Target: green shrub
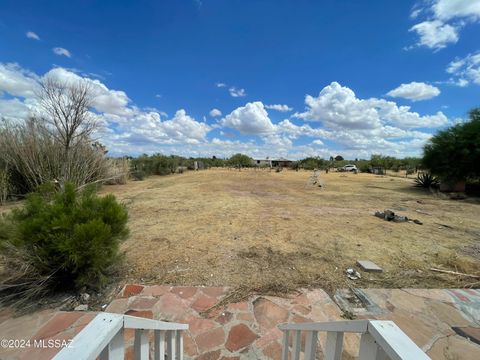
point(137, 175)
point(71, 238)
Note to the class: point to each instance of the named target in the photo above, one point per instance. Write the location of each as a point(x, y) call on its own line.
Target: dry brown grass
point(269, 230)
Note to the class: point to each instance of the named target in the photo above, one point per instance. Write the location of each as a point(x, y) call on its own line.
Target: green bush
point(72, 238)
point(240, 160)
point(137, 175)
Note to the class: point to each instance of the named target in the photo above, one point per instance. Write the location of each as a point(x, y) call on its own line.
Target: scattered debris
point(82, 307)
point(355, 302)
point(423, 212)
point(444, 225)
point(369, 266)
point(84, 298)
point(389, 215)
point(353, 274)
point(455, 273)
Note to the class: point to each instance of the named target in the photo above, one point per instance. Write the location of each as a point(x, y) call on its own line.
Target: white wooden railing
point(380, 340)
point(103, 338)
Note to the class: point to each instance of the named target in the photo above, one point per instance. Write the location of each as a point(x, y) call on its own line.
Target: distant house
point(274, 162)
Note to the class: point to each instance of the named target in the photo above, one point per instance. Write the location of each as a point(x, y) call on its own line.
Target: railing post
point(117, 347)
point(171, 344)
point(159, 341)
point(311, 345)
point(369, 349)
point(285, 345)
point(333, 348)
point(179, 344)
point(141, 345)
point(296, 345)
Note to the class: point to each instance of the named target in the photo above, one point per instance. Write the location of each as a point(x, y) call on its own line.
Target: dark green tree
point(240, 160)
point(453, 154)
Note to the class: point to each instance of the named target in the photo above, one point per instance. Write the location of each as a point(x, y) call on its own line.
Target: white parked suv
point(350, 168)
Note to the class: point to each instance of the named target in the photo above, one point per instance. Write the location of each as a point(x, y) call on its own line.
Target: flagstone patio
point(248, 329)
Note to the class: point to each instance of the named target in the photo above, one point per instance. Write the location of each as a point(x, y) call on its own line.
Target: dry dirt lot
point(272, 232)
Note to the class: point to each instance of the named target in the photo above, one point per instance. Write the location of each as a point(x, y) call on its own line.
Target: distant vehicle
point(350, 168)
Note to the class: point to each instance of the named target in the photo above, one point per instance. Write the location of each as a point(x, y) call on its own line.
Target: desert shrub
point(4, 184)
point(426, 180)
point(410, 171)
point(67, 237)
point(118, 171)
point(363, 166)
point(240, 160)
point(137, 175)
point(311, 163)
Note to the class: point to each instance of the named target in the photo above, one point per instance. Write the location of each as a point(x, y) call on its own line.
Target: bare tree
point(58, 144)
point(67, 109)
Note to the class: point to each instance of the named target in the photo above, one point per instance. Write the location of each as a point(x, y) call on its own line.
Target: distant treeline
point(375, 161)
point(158, 164)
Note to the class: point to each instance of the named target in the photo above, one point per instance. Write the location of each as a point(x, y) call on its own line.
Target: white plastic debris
point(353, 274)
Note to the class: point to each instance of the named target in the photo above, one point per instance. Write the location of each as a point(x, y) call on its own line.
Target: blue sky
point(287, 78)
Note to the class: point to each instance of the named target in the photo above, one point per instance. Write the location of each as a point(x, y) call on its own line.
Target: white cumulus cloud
point(249, 119)
point(338, 107)
point(435, 34)
point(443, 20)
point(279, 107)
point(449, 9)
point(17, 81)
point(465, 70)
point(125, 126)
point(415, 91)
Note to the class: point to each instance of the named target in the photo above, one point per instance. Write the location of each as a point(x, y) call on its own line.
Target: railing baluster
point(285, 345)
point(369, 349)
point(117, 347)
point(179, 344)
point(333, 348)
point(115, 350)
point(171, 345)
point(311, 345)
point(296, 345)
point(141, 345)
point(104, 355)
point(159, 340)
point(381, 354)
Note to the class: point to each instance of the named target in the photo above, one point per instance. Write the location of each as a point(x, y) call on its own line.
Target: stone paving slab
point(249, 329)
point(243, 330)
point(428, 317)
point(43, 332)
